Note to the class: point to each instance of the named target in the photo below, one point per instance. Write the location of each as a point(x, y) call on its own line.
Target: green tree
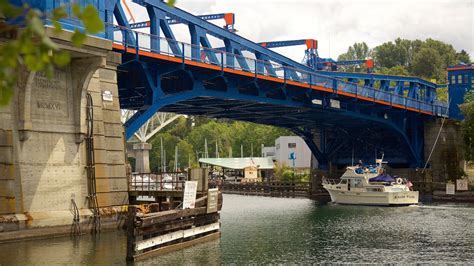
point(31, 47)
point(463, 57)
point(467, 109)
point(427, 63)
point(169, 144)
point(181, 127)
point(228, 136)
point(406, 54)
point(389, 55)
point(186, 156)
point(355, 52)
point(396, 70)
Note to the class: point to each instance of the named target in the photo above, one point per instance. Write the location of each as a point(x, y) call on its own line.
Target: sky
point(337, 24)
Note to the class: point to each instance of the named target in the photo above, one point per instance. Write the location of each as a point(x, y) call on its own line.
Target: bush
point(283, 173)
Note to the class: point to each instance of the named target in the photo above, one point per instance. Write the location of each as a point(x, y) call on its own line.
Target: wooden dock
point(157, 232)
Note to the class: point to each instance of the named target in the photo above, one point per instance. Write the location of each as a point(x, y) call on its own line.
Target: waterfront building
point(291, 151)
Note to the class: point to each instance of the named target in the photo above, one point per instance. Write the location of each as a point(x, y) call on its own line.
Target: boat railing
point(329, 181)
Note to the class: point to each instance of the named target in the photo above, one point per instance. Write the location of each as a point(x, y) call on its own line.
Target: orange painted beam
point(460, 68)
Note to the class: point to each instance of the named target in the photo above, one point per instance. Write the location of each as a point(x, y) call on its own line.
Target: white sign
point(450, 189)
point(317, 101)
point(189, 197)
point(461, 184)
point(335, 103)
point(107, 96)
point(212, 199)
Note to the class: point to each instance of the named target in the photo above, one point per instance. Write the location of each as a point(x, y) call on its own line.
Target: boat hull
point(402, 198)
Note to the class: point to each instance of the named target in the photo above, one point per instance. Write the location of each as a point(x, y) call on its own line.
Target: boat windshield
point(369, 169)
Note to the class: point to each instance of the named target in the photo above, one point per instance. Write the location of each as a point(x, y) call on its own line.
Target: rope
point(75, 226)
point(93, 203)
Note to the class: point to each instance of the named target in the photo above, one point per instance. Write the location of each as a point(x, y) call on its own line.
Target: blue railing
point(150, 43)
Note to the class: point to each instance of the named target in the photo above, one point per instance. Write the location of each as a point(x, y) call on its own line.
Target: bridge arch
point(294, 111)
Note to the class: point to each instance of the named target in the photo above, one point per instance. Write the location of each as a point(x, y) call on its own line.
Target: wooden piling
point(151, 234)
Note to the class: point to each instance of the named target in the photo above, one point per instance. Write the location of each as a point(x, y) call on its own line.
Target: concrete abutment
point(42, 147)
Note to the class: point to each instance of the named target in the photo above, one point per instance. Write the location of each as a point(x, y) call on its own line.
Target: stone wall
point(42, 147)
point(447, 158)
point(109, 142)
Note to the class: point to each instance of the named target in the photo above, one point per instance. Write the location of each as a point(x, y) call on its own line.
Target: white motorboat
point(370, 186)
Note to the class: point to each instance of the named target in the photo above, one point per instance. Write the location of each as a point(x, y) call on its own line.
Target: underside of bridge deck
point(337, 128)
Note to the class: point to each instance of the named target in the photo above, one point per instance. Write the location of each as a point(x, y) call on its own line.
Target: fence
point(157, 182)
point(271, 189)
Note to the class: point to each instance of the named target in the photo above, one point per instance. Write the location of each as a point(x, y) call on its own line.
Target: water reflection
point(259, 230)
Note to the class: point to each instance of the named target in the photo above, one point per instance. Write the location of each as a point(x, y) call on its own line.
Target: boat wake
point(444, 207)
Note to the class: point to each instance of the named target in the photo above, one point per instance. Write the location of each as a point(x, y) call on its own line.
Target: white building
point(268, 152)
point(291, 151)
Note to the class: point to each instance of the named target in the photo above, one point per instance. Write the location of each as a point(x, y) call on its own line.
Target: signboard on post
point(212, 199)
point(189, 196)
point(461, 184)
point(450, 189)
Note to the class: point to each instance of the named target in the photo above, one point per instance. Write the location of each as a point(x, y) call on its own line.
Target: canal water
point(262, 230)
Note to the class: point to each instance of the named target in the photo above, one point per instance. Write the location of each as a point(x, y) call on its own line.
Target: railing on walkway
point(271, 189)
point(147, 182)
point(144, 42)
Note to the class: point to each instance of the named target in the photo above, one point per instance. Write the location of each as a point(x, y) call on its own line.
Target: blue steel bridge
point(339, 115)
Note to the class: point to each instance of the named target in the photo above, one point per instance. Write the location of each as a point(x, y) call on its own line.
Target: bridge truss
point(336, 113)
point(152, 126)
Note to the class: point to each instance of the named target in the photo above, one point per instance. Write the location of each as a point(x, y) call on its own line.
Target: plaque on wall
point(50, 95)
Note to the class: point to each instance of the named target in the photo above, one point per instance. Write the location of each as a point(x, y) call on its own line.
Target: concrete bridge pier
point(142, 157)
point(447, 159)
point(42, 148)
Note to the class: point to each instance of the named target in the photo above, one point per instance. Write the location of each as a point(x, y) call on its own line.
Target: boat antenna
point(352, 156)
point(379, 162)
point(437, 137)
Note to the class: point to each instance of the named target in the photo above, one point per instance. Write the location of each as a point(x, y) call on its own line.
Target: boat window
point(344, 181)
point(356, 183)
point(375, 189)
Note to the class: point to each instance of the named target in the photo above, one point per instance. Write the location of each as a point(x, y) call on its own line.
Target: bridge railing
point(147, 182)
point(155, 44)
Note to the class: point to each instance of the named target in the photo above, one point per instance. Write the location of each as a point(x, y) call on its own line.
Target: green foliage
point(355, 52)
point(395, 70)
point(428, 59)
point(31, 48)
point(132, 162)
point(169, 144)
point(391, 54)
point(467, 109)
point(442, 94)
point(463, 57)
point(283, 173)
point(190, 135)
point(427, 63)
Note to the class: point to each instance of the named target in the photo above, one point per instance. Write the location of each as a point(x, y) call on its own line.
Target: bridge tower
point(460, 82)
